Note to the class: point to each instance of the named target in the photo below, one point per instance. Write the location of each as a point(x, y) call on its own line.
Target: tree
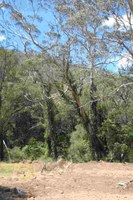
point(80, 39)
point(8, 92)
point(43, 94)
point(82, 27)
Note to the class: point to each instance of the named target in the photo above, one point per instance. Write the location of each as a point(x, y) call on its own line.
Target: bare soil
point(67, 181)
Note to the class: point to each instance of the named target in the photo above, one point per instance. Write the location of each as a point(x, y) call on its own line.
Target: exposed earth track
point(66, 181)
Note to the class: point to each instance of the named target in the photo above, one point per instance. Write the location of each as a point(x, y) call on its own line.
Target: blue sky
point(8, 39)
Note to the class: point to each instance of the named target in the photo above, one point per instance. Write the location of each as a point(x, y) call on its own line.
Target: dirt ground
point(67, 181)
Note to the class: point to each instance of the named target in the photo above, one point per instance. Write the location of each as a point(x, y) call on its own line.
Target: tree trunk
point(52, 136)
point(97, 148)
point(52, 131)
point(96, 145)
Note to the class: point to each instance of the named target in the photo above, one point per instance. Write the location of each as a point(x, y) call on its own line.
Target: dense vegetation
point(62, 100)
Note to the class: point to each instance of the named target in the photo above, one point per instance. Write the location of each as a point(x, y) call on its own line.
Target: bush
point(79, 150)
point(34, 150)
point(118, 153)
point(16, 154)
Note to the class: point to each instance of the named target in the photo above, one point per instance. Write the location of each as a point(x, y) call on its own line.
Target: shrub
point(16, 154)
point(118, 153)
point(34, 149)
point(79, 150)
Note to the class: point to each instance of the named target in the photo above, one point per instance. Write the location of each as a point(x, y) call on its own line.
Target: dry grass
point(27, 169)
point(22, 170)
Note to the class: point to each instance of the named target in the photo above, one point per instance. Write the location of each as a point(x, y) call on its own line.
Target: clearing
point(66, 181)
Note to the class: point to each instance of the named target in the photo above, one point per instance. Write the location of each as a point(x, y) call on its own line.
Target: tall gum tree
point(9, 94)
point(82, 27)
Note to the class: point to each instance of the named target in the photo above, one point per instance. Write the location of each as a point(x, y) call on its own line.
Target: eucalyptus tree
point(96, 34)
point(42, 75)
point(42, 69)
point(119, 30)
point(80, 26)
point(82, 35)
point(9, 93)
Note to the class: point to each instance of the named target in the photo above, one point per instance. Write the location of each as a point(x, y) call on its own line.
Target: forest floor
point(66, 181)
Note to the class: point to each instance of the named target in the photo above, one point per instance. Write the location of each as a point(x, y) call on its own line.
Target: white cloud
point(110, 22)
point(125, 61)
point(2, 38)
point(120, 22)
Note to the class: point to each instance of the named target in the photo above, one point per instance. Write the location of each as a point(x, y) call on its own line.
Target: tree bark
point(52, 135)
point(96, 145)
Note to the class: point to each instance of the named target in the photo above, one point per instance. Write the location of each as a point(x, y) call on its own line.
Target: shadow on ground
point(7, 193)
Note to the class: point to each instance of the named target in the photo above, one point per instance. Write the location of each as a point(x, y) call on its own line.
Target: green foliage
point(118, 139)
point(34, 150)
point(36, 102)
point(16, 154)
point(130, 155)
point(118, 153)
point(79, 150)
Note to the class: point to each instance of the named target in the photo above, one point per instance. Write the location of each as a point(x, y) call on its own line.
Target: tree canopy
point(66, 83)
